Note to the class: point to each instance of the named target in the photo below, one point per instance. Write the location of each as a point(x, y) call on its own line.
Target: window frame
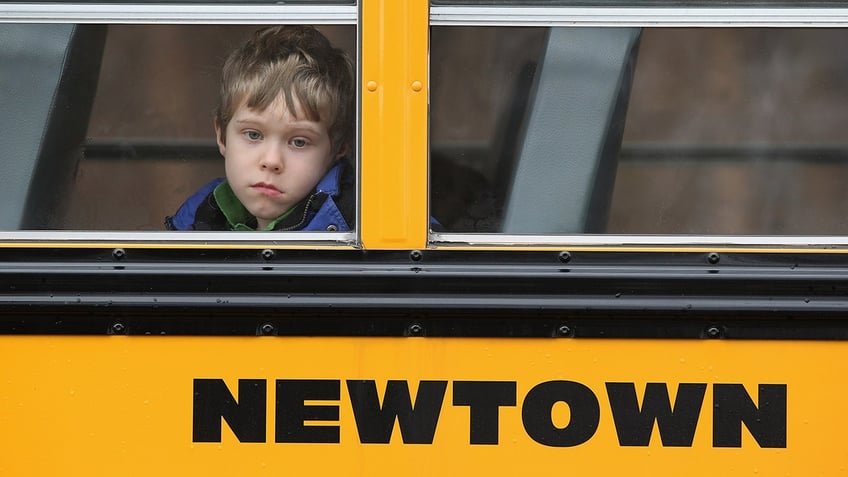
point(177, 13)
point(600, 16)
point(189, 14)
point(647, 17)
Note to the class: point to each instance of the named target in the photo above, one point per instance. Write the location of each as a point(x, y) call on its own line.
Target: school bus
point(637, 263)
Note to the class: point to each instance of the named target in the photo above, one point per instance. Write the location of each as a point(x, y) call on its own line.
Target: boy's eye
point(299, 142)
point(253, 135)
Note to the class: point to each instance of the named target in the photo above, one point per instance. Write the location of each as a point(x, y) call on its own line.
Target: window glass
point(706, 131)
point(120, 134)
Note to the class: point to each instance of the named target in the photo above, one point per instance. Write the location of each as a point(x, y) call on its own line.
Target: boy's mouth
point(266, 189)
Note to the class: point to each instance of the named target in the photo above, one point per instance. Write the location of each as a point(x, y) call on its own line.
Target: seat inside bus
point(549, 161)
point(567, 152)
point(48, 78)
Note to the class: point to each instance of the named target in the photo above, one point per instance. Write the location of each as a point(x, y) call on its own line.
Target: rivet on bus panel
point(267, 329)
point(415, 329)
point(713, 331)
point(371, 85)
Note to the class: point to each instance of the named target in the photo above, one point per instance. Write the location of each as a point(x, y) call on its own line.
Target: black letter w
point(676, 426)
point(417, 425)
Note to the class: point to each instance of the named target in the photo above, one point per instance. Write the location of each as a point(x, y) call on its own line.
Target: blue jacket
point(330, 207)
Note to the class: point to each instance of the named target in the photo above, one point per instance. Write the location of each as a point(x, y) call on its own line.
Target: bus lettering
point(299, 402)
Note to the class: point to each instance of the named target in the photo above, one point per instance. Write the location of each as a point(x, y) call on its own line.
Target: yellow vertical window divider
point(394, 124)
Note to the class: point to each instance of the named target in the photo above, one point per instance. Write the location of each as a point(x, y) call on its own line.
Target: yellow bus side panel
point(117, 405)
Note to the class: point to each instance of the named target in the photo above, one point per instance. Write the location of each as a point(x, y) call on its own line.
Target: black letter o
point(585, 413)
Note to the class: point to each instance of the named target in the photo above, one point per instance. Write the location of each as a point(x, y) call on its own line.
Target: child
point(284, 125)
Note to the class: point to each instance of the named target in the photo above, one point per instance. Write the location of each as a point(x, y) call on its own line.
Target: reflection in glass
point(725, 131)
point(109, 127)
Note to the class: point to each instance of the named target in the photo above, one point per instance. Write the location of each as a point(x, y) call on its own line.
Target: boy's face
point(273, 160)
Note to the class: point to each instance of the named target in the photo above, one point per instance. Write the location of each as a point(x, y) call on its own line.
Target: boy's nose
point(272, 160)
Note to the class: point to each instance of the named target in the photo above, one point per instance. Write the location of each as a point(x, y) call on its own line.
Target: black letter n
point(212, 401)
point(733, 407)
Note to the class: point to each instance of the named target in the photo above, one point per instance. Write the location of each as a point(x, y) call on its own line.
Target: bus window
point(702, 131)
point(129, 133)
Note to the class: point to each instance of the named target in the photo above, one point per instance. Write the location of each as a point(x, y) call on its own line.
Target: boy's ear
point(222, 148)
point(342, 152)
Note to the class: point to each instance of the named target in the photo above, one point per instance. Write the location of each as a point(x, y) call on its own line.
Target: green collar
point(238, 217)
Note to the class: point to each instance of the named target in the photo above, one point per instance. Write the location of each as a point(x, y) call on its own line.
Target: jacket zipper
point(302, 219)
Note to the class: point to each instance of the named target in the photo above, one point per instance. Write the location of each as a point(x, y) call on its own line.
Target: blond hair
point(300, 65)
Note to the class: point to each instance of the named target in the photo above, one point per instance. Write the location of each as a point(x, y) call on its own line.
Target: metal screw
point(118, 328)
point(416, 255)
point(119, 254)
point(713, 331)
point(415, 329)
point(268, 254)
point(713, 258)
point(565, 257)
point(267, 329)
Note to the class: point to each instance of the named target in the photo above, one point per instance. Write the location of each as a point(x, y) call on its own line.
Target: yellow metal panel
point(117, 405)
point(394, 124)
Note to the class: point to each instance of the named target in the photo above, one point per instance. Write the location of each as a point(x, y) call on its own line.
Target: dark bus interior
point(728, 131)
